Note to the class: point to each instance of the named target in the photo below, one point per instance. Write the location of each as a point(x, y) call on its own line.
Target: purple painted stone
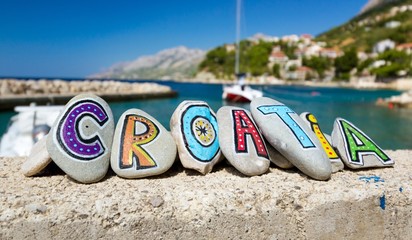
point(81, 138)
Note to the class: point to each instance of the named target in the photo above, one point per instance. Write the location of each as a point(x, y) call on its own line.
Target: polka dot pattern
point(244, 126)
point(70, 135)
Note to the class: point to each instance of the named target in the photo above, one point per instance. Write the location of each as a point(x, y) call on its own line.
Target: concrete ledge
point(9, 102)
point(223, 204)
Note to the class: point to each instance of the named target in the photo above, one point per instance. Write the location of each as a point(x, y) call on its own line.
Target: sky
point(74, 39)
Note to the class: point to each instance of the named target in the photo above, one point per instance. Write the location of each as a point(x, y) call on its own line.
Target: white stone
point(37, 160)
point(325, 141)
point(81, 139)
point(287, 132)
point(194, 128)
point(241, 142)
point(357, 149)
point(141, 146)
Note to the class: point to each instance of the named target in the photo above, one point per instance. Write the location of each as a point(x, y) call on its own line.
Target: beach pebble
point(81, 138)
point(356, 149)
point(194, 128)
point(287, 132)
point(141, 147)
point(37, 160)
point(241, 142)
point(324, 139)
point(276, 157)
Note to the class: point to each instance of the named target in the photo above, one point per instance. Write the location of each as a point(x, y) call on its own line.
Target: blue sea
point(389, 128)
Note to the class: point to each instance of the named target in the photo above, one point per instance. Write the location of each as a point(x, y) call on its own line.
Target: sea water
point(389, 128)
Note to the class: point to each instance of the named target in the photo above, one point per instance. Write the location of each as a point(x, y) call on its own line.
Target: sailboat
point(239, 92)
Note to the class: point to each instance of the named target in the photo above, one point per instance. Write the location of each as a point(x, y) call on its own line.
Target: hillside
point(379, 20)
point(175, 63)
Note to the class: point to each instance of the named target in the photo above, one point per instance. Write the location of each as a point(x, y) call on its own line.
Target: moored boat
point(27, 127)
point(239, 92)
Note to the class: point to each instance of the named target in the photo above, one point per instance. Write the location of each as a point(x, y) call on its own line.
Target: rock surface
point(10, 87)
point(356, 149)
point(287, 132)
point(363, 204)
point(325, 140)
point(81, 138)
point(37, 160)
point(194, 128)
point(241, 142)
point(142, 147)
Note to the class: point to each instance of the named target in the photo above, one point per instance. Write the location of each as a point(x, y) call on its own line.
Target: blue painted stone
point(194, 128)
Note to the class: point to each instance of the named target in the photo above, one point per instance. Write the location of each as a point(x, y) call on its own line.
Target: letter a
point(358, 144)
point(244, 126)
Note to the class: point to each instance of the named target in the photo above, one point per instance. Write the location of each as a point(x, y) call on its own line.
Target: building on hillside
point(278, 57)
point(330, 53)
point(293, 63)
point(262, 37)
point(301, 73)
point(300, 52)
point(312, 50)
point(392, 24)
point(290, 38)
point(383, 46)
point(362, 56)
point(406, 47)
point(230, 47)
point(304, 73)
point(306, 38)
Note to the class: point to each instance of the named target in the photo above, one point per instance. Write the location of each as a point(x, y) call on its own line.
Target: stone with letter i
point(324, 139)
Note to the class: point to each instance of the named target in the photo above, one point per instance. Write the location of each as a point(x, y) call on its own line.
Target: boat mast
point(238, 8)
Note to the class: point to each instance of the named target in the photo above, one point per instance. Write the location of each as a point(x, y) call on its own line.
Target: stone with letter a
point(357, 149)
point(142, 147)
point(81, 138)
point(241, 142)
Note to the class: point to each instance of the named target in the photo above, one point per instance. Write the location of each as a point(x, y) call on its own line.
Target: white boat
point(27, 127)
point(239, 92)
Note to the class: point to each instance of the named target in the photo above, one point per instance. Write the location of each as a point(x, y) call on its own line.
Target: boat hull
point(237, 93)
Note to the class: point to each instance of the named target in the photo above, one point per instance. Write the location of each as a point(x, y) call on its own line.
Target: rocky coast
point(22, 92)
point(184, 204)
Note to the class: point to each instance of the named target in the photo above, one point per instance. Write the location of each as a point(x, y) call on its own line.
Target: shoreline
point(17, 92)
point(222, 204)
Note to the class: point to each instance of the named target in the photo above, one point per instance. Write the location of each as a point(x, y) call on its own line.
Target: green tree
point(276, 70)
point(346, 63)
point(395, 62)
point(319, 64)
point(258, 57)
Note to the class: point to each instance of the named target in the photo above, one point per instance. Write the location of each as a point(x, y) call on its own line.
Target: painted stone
point(141, 147)
point(194, 128)
point(276, 157)
point(356, 149)
point(37, 160)
point(80, 140)
point(334, 158)
point(287, 132)
point(241, 142)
